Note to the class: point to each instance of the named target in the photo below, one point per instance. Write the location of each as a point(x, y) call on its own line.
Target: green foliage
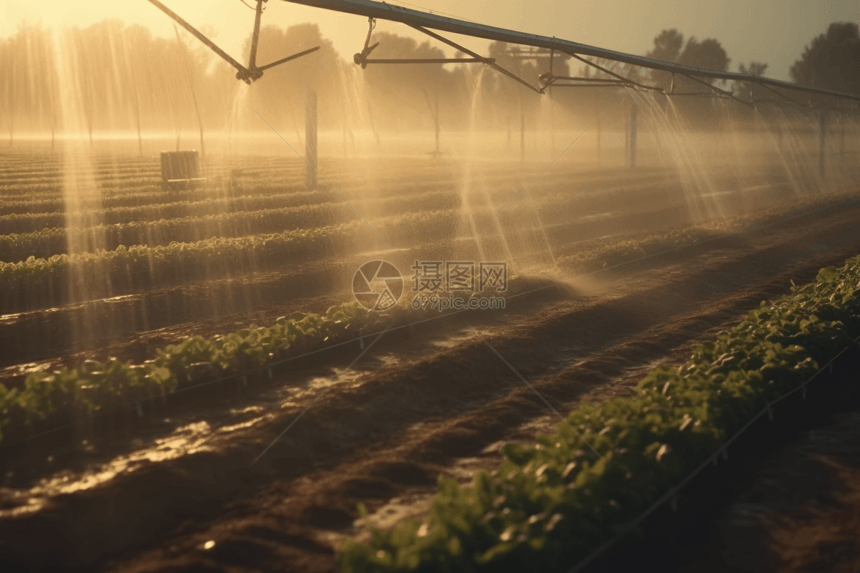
point(95, 384)
point(550, 503)
point(159, 224)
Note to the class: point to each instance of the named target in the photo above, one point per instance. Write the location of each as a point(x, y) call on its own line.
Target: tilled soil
point(192, 490)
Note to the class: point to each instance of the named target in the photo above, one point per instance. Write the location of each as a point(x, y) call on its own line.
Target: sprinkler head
point(545, 79)
point(359, 60)
point(243, 77)
point(249, 76)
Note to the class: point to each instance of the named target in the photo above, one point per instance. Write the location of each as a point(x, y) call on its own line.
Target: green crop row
point(42, 244)
point(551, 503)
point(37, 283)
point(313, 211)
point(138, 196)
point(594, 255)
point(207, 205)
point(49, 399)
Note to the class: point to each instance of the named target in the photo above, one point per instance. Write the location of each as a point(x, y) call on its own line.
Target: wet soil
point(215, 482)
point(786, 499)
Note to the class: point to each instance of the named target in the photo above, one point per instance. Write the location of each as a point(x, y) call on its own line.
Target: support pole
point(627, 139)
point(311, 140)
point(842, 142)
point(551, 125)
point(634, 113)
point(599, 133)
point(438, 127)
point(779, 136)
point(522, 131)
point(822, 143)
point(256, 37)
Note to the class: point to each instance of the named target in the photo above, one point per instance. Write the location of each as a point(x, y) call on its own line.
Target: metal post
point(599, 133)
point(252, 62)
point(822, 144)
point(842, 142)
point(345, 145)
point(438, 128)
point(779, 136)
point(311, 141)
point(627, 139)
point(634, 112)
point(551, 124)
point(522, 131)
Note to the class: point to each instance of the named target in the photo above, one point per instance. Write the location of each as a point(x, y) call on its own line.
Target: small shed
point(180, 168)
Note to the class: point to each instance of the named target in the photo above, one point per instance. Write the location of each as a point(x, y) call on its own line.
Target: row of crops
point(38, 282)
point(31, 217)
point(48, 400)
point(153, 231)
point(551, 503)
point(140, 229)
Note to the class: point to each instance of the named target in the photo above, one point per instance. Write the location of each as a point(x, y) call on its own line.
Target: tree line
point(112, 77)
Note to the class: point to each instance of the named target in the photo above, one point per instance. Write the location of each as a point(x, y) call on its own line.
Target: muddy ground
point(179, 491)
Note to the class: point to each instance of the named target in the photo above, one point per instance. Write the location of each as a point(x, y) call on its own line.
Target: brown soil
point(426, 399)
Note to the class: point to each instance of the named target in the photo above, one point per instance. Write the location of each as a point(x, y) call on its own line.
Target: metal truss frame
point(423, 22)
point(247, 74)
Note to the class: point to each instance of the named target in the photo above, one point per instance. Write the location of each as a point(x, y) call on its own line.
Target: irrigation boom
point(423, 22)
point(247, 74)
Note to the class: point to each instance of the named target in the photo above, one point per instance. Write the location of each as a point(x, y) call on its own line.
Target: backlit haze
point(770, 31)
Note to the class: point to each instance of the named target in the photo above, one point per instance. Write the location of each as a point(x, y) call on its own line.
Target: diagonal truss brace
point(717, 90)
point(782, 95)
point(362, 59)
point(245, 74)
point(627, 82)
point(391, 12)
point(468, 52)
point(549, 79)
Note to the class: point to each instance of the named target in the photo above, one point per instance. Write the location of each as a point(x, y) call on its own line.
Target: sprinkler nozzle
point(546, 79)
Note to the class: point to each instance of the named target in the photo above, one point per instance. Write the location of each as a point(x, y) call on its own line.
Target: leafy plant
point(549, 504)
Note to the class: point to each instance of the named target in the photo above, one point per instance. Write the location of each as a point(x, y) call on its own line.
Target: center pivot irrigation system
point(425, 22)
point(539, 48)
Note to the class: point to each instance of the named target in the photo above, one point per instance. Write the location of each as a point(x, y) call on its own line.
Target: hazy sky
point(770, 31)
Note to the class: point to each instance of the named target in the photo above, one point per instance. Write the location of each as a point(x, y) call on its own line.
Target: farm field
point(617, 270)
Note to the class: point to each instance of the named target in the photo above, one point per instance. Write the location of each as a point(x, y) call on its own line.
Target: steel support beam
point(415, 18)
point(252, 72)
point(822, 143)
point(634, 116)
point(311, 153)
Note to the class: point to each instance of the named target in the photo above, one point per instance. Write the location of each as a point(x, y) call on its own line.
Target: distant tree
point(402, 89)
point(746, 90)
point(669, 47)
point(832, 60)
point(280, 94)
point(708, 53)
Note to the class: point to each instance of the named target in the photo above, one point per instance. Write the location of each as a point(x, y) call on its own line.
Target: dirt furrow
point(423, 401)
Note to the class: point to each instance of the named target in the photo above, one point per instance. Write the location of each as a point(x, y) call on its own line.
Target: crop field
point(155, 344)
point(347, 286)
